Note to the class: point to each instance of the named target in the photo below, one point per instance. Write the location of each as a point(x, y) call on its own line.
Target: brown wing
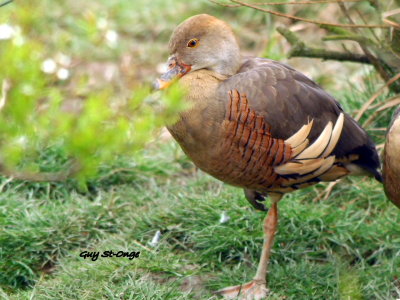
point(287, 99)
point(252, 158)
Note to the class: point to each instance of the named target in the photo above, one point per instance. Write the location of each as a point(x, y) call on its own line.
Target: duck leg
point(257, 288)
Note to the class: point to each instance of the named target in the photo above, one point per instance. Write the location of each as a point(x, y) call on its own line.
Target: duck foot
point(253, 290)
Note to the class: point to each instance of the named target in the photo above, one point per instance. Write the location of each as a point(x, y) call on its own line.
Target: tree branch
point(299, 49)
point(287, 3)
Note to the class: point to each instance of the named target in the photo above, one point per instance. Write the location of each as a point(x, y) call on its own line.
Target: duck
point(391, 160)
point(259, 125)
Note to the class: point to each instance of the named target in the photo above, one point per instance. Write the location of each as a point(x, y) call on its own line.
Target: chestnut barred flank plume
point(252, 157)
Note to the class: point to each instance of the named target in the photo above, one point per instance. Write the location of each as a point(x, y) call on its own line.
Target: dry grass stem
point(367, 104)
point(276, 13)
point(388, 104)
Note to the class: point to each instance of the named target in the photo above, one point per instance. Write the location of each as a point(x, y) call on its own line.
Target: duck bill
point(175, 71)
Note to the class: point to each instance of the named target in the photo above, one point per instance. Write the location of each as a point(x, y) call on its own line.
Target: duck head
point(201, 42)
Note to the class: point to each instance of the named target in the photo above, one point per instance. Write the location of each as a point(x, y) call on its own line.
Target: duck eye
point(193, 43)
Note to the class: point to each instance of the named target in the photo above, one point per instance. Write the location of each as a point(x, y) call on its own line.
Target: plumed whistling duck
point(391, 164)
point(260, 125)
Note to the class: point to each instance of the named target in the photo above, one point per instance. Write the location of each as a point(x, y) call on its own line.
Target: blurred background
point(87, 164)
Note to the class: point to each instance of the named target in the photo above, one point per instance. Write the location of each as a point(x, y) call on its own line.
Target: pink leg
point(257, 288)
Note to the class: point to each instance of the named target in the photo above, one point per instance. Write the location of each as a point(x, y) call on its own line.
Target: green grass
point(347, 246)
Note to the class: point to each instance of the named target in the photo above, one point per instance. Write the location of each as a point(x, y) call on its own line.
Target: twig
point(5, 87)
point(345, 12)
point(224, 4)
point(388, 104)
point(378, 106)
point(5, 3)
point(41, 176)
point(305, 2)
point(36, 177)
point(276, 13)
point(299, 49)
point(287, 3)
point(363, 44)
point(365, 22)
point(143, 246)
point(375, 96)
point(356, 38)
point(391, 13)
point(378, 129)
